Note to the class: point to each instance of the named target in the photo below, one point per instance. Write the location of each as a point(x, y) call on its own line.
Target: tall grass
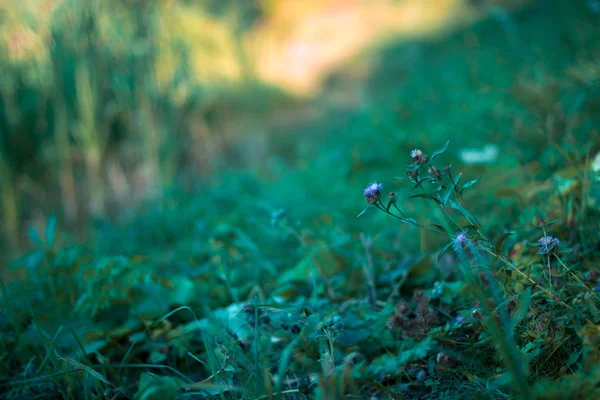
point(109, 107)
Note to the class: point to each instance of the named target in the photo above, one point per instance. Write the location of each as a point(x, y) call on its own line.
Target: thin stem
point(509, 264)
point(549, 274)
point(576, 277)
point(368, 268)
point(406, 220)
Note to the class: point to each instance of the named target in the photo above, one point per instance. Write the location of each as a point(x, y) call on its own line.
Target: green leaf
point(389, 363)
point(352, 337)
point(31, 261)
point(322, 258)
point(451, 291)
point(34, 236)
point(157, 357)
point(83, 367)
point(446, 195)
point(417, 352)
point(50, 231)
point(523, 304)
point(440, 227)
point(467, 214)
point(469, 227)
point(363, 211)
point(501, 380)
point(155, 387)
point(427, 196)
point(468, 184)
point(440, 150)
point(457, 178)
point(443, 251)
point(501, 239)
point(574, 357)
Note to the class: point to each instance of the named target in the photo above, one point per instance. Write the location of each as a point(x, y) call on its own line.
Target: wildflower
point(540, 222)
point(418, 157)
point(373, 192)
point(413, 174)
point(434, 172)
point(460, 242)
point(548, 244)
point(448, 169)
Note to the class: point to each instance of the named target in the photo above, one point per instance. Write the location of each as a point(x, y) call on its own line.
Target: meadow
point(174, 226)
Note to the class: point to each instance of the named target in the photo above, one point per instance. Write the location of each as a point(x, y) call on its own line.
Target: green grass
point(260, 282)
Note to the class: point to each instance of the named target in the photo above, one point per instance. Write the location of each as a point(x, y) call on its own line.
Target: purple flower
point(418, 156)
point(416, 153)
point(374, 190)
point(460, 242)
point(548, 244)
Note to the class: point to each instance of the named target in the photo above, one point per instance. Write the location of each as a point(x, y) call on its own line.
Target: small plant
point(493, 279)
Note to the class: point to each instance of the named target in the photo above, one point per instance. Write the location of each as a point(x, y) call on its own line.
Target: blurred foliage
point(260, 282)
point(111, 95)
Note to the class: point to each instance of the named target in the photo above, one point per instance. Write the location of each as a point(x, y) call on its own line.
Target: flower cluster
point(548, 244)
point(416, 320)
point(373, 192)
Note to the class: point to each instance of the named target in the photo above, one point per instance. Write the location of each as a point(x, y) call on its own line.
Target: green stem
point(380, 206)
point(576, 277)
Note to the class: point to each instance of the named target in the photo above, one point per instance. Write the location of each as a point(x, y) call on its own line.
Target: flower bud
point(413, 173)
point(434, 172)
point(540, 222)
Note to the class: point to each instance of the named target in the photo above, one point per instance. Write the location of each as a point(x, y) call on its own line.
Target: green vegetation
point(249, 276)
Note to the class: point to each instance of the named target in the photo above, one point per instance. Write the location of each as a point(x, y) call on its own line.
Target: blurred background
point(109, 104)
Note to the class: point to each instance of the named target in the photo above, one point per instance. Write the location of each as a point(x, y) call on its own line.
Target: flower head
point(374, 190)
point(418, 156)
point(460, 242)
point(548, 244)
